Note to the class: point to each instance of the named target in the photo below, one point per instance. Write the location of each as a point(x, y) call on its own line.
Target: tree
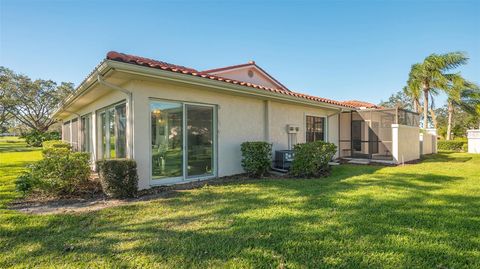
point(398, 99)
point(31, 102)
point(430, 77)
point(461, 94)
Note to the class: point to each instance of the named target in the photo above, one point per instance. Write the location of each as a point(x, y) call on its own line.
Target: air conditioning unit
point(283, 159)
point(293, 129)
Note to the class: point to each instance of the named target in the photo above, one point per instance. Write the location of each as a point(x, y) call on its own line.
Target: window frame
point(89, 142)
point(105, 153)
point(324, 127)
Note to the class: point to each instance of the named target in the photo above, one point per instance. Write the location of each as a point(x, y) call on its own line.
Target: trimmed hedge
point(455, 145)
point(311, 159)
point(256, 158)
point(118, 177)
point(55, 144)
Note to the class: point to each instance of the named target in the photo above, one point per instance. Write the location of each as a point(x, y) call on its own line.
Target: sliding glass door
point(199, 140)
point(182, 141)
point(166, 139)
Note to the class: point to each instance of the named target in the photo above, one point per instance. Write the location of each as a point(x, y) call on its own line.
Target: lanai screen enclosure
point(367, 133)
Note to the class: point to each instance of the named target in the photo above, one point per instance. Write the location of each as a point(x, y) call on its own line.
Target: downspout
point(129, 94)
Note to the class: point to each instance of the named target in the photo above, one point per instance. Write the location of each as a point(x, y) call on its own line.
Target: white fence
point(405, 145)
point(473, 141)
point(428, 142)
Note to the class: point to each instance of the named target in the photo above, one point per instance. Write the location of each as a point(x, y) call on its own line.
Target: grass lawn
point(425, 216)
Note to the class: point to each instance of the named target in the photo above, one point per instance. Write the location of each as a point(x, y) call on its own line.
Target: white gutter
point(129, 94)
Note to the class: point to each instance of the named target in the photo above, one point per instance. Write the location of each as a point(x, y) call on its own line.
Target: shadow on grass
point(7, 148)
point(445, 157)
point(355, 218)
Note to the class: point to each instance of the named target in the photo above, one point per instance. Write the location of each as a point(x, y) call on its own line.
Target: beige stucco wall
point(283, 114)
point(239, 118)
point(406, 144)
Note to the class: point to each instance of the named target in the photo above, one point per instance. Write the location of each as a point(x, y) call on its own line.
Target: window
point(113, 131)
point(315, 129)
point(85, 131)
point(66, 132)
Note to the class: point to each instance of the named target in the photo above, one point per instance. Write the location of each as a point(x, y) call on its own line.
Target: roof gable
point(249, 72)
point(150, 63)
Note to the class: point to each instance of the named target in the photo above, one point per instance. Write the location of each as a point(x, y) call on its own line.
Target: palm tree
point(462, 94)
point(429, 77)
point(414, 94)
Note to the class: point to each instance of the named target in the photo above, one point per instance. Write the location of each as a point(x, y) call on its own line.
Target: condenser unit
point(283, 159)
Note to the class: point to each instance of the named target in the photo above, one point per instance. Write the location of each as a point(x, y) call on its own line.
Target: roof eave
point(201, 81)
point(83, 88)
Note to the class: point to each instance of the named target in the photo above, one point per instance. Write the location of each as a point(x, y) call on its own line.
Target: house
point(181, 124)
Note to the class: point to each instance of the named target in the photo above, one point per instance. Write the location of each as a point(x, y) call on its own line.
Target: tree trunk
point(450, 118)
point(434, 118)
point(425, 108)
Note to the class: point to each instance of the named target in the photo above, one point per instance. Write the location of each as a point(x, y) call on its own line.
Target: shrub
point(455, 145)
point(55, 144)
point(465, 147)
point(311, 159)
point(60, 172)
point(118, 177)
point(256, 157)
point(36, 138)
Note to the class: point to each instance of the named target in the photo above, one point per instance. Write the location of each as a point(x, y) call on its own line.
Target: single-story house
point(181, 124)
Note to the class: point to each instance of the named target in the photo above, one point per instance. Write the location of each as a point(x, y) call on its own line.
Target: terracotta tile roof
point(359, 104)
point(131, 59)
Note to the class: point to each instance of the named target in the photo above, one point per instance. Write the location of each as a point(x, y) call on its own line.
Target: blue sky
point(335, 49)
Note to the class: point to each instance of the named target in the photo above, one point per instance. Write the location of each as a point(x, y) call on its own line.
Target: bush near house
point(256, 158)
point(60, 172)
point(36, 138)
point(118, 177)
point(311, 159)
point(55, 144)
point(454, 145)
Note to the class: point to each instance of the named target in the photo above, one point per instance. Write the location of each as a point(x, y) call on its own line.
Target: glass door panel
point(199, 139)
point(167, 139)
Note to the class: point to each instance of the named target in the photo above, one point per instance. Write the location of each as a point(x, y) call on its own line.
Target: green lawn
point(425, 216)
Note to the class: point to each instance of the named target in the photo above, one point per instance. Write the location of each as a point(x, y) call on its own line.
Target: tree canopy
point(31, 102)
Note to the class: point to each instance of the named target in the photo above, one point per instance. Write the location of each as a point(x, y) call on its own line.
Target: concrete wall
point(405, 143)
point(473, 137)
point(428, 143)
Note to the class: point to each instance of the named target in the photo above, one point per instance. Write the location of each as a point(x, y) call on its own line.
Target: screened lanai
point(367, 133)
